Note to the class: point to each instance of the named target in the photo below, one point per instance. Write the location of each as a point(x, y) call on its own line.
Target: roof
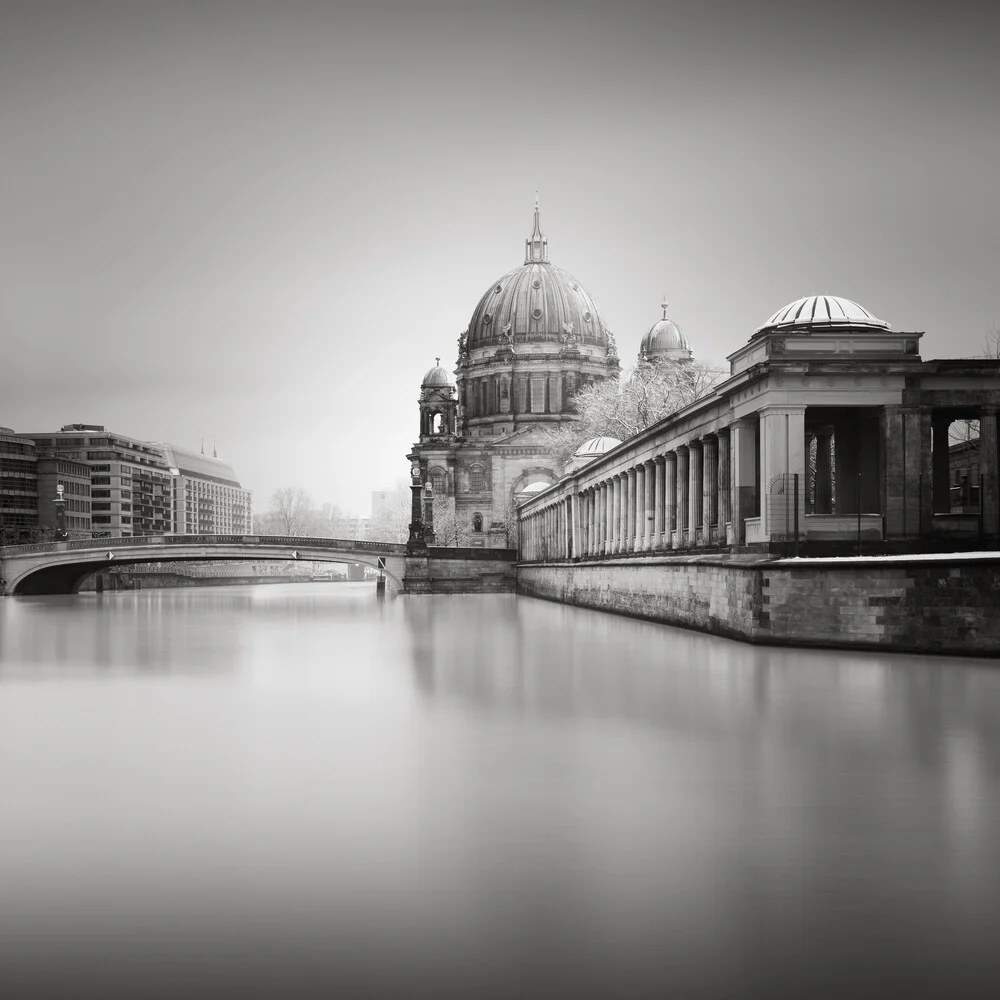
point(193, 463)
point(823, 310)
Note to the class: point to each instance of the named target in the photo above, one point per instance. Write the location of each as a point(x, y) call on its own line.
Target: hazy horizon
point(261, 222)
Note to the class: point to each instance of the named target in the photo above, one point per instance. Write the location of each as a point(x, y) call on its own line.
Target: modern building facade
point(535, 338)
point(74, 478)
point(18, 487)
point(206, 498)
point(130, 482)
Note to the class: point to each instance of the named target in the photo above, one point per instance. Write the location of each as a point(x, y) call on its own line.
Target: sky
point(259, 223)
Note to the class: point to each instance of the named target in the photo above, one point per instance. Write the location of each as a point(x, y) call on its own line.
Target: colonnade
point(682, 498)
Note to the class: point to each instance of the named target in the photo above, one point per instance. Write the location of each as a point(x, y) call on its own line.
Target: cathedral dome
point(436, 376)
point(536, 302)
point(664, 340)
point(822, 311)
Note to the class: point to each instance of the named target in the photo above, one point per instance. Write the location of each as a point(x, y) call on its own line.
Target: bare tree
point(449, 528)
point(291, 512)
point(391, 522)
point(991, 341)
point(623, 407)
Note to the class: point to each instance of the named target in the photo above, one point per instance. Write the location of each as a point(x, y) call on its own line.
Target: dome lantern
point(536, 246)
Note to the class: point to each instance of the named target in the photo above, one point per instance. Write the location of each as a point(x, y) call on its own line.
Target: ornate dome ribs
point(822, 311)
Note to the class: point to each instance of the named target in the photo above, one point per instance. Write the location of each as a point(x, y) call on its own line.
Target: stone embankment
point(933, 604)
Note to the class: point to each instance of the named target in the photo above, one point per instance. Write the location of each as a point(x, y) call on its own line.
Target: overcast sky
point(263, 221)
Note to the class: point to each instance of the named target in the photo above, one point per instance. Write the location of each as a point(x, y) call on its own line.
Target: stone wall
point(461, 571)
point(908, 605)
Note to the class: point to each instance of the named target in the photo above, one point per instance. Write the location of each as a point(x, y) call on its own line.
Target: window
point(477, 521)
point(101, 519)
point(100, 480)
point(100, 506)
point(100, 493)
point(477, 479)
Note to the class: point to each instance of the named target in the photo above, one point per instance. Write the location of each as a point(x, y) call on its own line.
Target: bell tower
point(438, 406)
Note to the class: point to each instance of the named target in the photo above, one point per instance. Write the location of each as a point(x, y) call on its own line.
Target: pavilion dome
point(536, 302)
point(819, 311)
point(664, 339)
point(596, 446)
point(436, 376)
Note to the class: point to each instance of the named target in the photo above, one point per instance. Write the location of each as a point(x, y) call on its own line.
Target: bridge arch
point(60, 567)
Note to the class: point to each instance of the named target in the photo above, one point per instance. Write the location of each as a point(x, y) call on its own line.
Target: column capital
point(782, 410)
point(649, 463)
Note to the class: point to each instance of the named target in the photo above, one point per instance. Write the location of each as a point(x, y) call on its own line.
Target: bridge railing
point(295, 541)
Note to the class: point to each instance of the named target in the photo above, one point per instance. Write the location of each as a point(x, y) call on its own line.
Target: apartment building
point(206, 496)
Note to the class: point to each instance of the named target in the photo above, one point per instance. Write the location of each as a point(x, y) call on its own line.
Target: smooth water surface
point(295, 790)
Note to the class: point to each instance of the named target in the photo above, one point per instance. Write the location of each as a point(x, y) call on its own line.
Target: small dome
point(436, 376)
point(820, 311)
point(596, 446)
point(664, 340)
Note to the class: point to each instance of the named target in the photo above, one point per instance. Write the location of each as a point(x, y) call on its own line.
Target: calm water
point(292, 790)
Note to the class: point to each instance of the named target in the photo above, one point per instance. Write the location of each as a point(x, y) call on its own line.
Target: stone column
point(709, 486)
point(609, 513)
point(573, 526)
point(782, 455)
point(639, 535)
point(659, 464)
point(638, 514)
point(743, 464)
point(616, 514)
point(989, 468)
point(694, 491)
point(649, 504)
point(723, 494)
point(682, 494)
point(941, 469)
point(628, 522)
point(669, 498)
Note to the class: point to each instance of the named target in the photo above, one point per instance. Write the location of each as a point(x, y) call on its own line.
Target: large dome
point(822, 311)
point(536, 302)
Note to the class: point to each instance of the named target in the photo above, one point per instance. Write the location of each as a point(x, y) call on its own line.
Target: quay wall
point(461, 571)
point(911, 605)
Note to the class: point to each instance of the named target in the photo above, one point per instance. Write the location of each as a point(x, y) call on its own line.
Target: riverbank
point(939, 603)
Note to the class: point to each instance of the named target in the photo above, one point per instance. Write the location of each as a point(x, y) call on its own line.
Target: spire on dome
point(663, 305)
point(536, 246)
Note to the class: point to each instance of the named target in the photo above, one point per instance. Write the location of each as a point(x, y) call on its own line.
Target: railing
point(251, 541)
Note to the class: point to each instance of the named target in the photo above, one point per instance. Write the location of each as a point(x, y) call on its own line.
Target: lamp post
point(416, 541)
point(60, 505)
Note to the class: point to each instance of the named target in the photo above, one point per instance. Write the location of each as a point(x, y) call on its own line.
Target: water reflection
point(296, 788)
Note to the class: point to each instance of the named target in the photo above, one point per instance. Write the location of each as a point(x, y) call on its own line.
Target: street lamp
point(60, 504)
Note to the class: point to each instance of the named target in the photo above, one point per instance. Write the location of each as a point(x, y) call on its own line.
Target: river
point(296, 790)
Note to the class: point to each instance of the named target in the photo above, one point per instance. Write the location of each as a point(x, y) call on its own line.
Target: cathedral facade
point(536, 337)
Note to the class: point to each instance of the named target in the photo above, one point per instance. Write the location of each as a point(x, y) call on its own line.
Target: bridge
point(60, 567)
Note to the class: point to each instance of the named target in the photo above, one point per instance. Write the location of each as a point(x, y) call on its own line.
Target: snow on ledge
point(911, 557)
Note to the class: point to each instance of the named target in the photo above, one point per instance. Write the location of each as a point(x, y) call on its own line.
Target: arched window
point(438, 481)
point(436, 423)
point(477, 479)
point(477, 521)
